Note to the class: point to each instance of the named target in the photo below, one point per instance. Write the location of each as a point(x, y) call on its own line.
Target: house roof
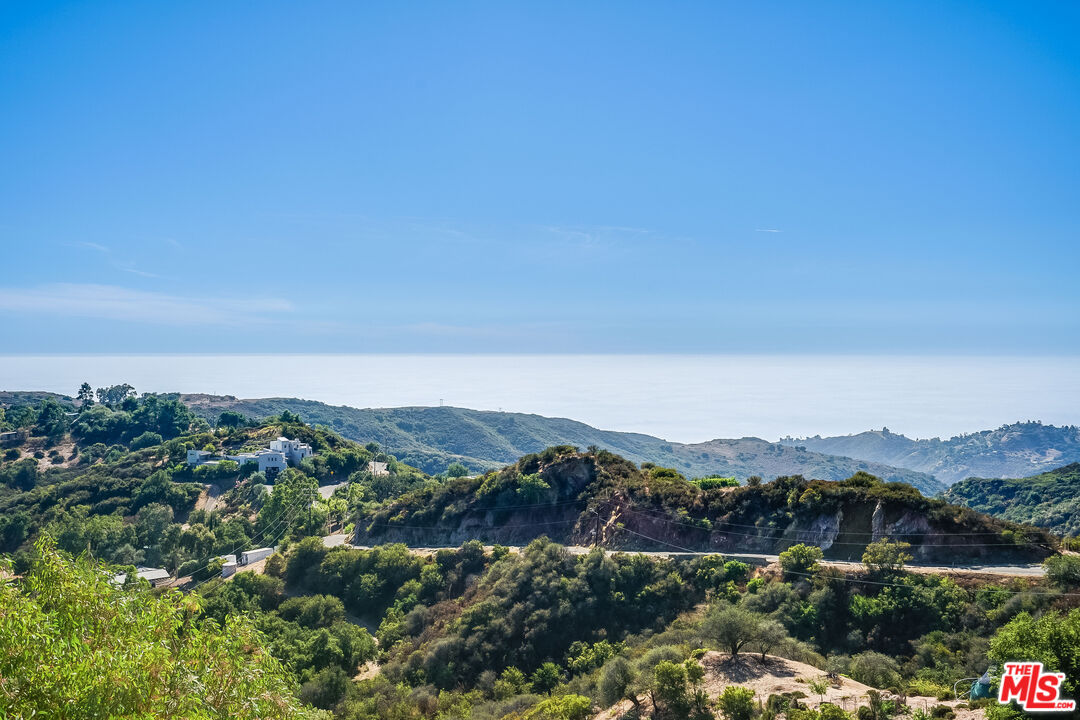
point(153, 573)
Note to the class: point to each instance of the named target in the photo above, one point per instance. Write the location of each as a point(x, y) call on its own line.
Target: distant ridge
point(1010, 451)
point(1049, 500)
point(432, 437)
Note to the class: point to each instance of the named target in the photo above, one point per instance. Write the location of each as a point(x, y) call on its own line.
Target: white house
point(281, 453)
point(292, 449)
point(378, 468)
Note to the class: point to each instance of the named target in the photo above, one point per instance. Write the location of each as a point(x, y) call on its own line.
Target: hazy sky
point(534, 177)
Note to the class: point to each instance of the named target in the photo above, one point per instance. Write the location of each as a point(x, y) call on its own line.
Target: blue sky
point(532, 177)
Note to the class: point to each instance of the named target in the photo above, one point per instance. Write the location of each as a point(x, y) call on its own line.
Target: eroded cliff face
point(585, 506)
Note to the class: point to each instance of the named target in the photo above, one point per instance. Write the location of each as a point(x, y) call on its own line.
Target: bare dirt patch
point(776, 675)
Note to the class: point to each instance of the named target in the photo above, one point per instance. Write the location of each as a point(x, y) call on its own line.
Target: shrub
point(886, 556)
point(875, 669)
point(801, 559)
point(563, 707)
point(1063, 571)
point(711, 483)
point(736, 703)
point(75, 645)
point(833, 712)
point(147, 439)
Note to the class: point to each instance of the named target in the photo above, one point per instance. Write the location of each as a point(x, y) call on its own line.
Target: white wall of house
point(197, 457)
point(271, 461)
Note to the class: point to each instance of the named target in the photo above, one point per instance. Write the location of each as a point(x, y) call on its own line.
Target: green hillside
point(1014, 450)
point(430, 438)
point(1050, 499)
point(596, 497)
point(537, 632)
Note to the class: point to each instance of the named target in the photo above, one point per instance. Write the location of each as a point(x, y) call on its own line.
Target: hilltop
point(115, 479)
point(1012, 450)
point(431, 438)
point(597, 497)
point(1050, 500)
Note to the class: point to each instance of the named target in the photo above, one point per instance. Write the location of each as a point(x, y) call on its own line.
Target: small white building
point(228, 568)
point(197, 457)
point(154, 576)
point(249, 556)
point(378, 468)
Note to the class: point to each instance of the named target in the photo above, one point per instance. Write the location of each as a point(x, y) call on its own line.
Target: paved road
point(209, 501)
point(325, 491)
point(758, 559)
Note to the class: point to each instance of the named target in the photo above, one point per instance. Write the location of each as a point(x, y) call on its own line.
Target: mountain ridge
point(1049, 500)
point(432, 437)
point(1013, 450)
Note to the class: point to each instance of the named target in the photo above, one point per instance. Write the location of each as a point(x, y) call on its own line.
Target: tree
point(456, 470)
point(72, 644)
point(532, 488)
point(801, 559)
point(819, 686)
point(546, 678)
point(14, 529)
point(231, 419)
point(511, 682)
point(1053, 639)
point(617, 682)
point(770, 633)
point(290, 417)
point(147, 439)
point(151, 522)
point(51, 418)
point(875, 669)
point(731, 627)
point(886, 556)
point(1063, 571)
point(736, 571)
point(21, 475)
point(85, 396)
point(115, 395)
point(736, 703)
point(676, 690)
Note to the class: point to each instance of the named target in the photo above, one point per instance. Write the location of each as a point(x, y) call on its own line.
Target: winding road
point(757, 559)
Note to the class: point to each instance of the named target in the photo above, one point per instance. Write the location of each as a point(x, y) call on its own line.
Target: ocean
point(687, 398)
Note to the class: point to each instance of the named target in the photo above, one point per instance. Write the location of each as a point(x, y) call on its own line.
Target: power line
point(262, 534)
